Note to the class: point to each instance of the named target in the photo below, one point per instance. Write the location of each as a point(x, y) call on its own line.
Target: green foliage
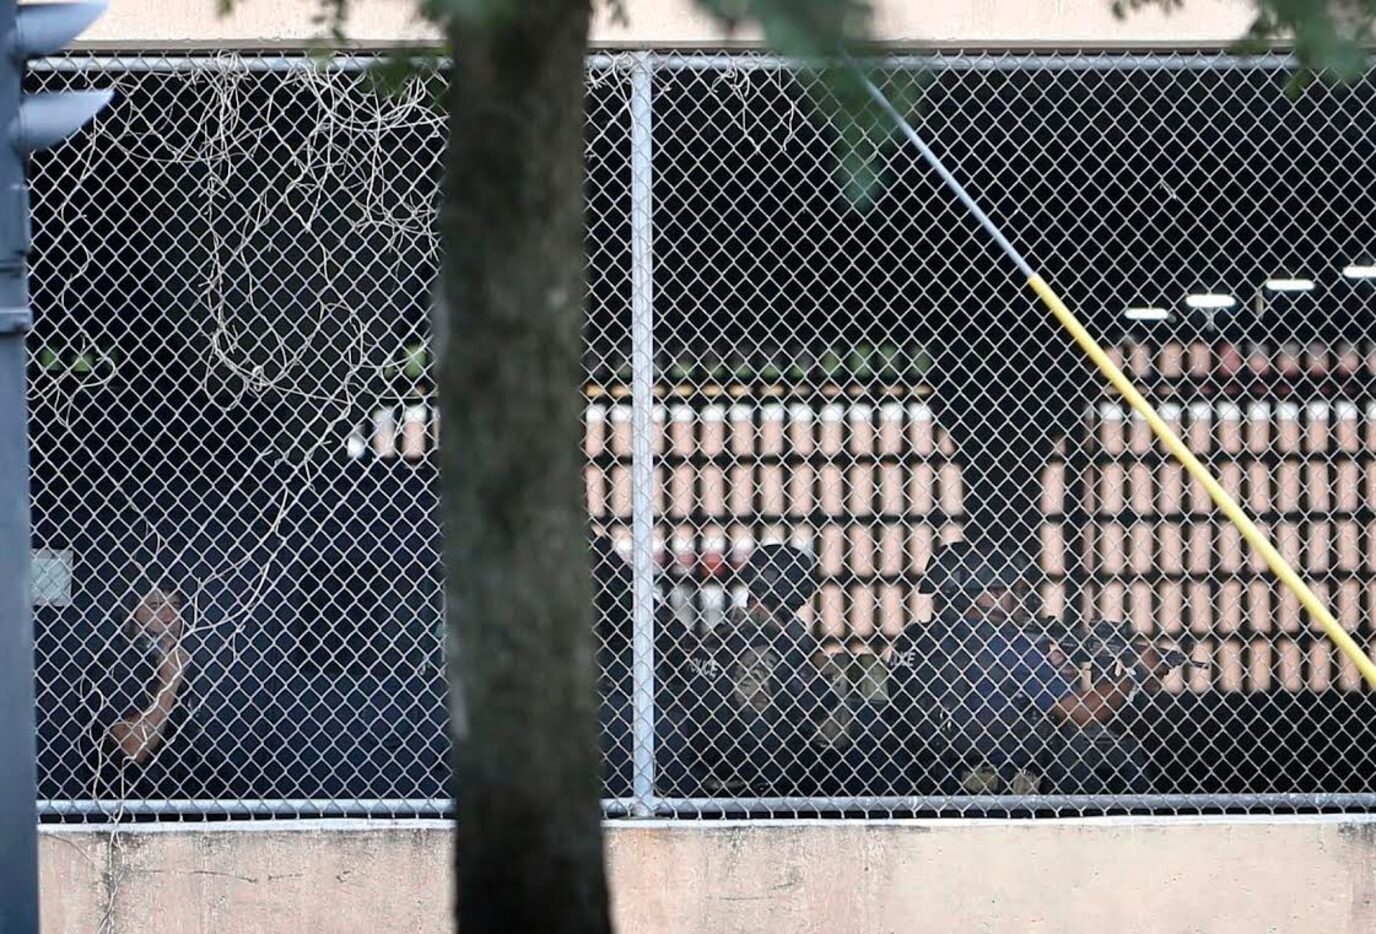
point(1330, 38)
point(1121, 8)
point(334, 15)
point(396, 71)
point(492, 14)
point(832, 364)
point(820, 34)
point(860, 362)
point(866, 134)
point(890, 361)
point(417, 362)
point(401, 69)
point(815, 29)
point(919, 363)
point(741, 369)
point(414, 364)
point(823, 36)
point(60, 360)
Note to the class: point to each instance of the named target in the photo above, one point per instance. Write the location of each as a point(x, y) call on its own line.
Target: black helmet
point(970, 568)
point(780, 576)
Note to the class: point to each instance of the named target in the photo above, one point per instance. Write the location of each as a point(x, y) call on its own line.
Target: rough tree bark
point(529, 854)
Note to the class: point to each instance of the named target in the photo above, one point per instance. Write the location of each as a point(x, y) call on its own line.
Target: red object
point(684, 556)
point(713, 564)
point(712, 558)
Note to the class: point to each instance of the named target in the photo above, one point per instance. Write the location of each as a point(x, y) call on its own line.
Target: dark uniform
point(979, 690)
point(751, 684)
point(1097, 759)
point(862, 748)
point(980, 693)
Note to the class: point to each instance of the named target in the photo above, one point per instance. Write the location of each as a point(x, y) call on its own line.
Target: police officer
point(990, 711)
point(752, 681)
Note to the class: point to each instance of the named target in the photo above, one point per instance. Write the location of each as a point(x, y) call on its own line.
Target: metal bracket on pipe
point(16, 320)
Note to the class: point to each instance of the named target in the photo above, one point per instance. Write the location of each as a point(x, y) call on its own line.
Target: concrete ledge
point(1109, 874)
point(246, 877)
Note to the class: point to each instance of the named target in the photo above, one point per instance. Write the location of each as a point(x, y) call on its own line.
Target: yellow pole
point(1220, 496)
point(1120, 382)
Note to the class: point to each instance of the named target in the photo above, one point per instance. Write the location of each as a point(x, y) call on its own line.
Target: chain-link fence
point(868, 535)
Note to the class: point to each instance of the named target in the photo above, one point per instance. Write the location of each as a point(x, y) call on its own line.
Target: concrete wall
point(984, 23)
point(1313, 875)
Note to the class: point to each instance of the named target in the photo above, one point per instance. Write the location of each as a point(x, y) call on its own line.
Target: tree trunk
point(508, 332)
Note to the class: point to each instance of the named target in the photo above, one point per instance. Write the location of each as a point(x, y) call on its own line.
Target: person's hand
point(175, 660)
point(1060, 660)
point(170, 641)
point(133, 736)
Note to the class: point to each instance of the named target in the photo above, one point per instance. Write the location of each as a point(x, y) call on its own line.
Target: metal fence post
point(642, 405)
point(30, 123)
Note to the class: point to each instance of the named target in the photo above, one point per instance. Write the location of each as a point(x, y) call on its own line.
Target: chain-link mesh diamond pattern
point(868, 536)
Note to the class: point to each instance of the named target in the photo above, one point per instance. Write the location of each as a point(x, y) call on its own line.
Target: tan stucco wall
point(169, 23)
point(1309, 875)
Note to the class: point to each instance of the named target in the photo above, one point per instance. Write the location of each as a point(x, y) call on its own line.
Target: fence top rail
point(1106, 60)
point(447, 824)
point(666, 807)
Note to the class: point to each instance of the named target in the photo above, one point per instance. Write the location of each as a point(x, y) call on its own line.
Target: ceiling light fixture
point(1210, 300)
point(1146, 314)
point(1290, 285)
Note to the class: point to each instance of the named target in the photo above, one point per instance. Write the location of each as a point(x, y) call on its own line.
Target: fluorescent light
point(1290, 285)
point(1210, 300)
point(1146, 314)
point(1360, 271)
